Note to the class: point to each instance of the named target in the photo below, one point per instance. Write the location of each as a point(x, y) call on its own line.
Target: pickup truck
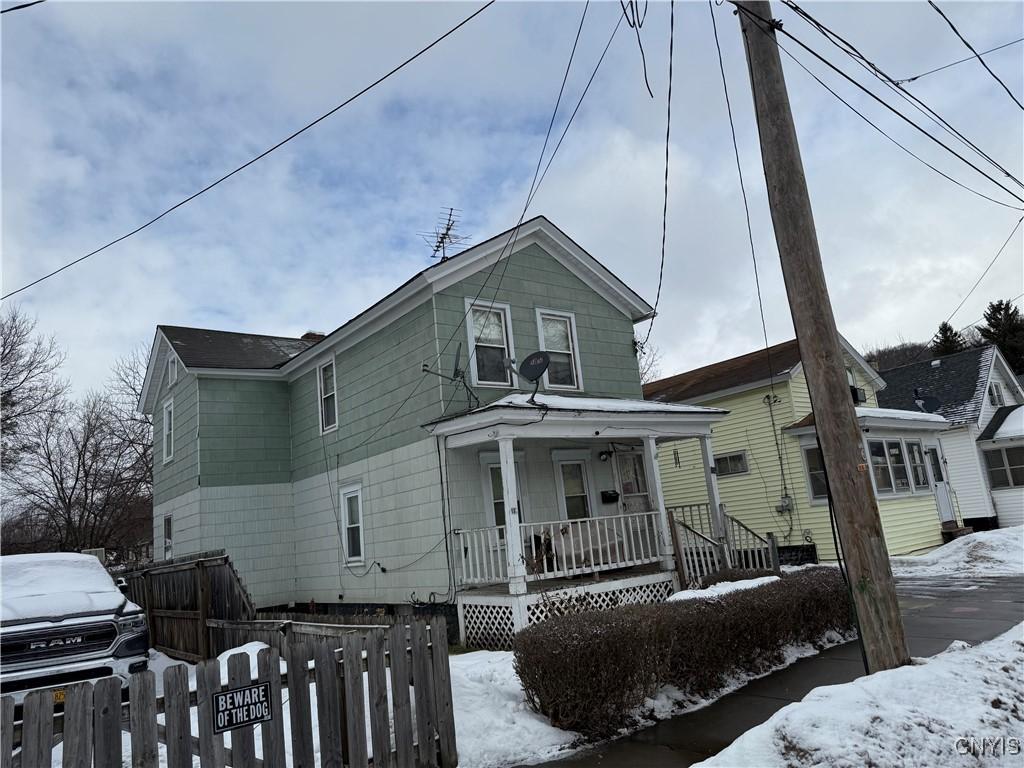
point(64, 621)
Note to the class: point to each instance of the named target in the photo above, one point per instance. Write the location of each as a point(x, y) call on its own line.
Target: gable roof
point(957, 381)
point(204, 348)
point(735, 372)
point(995, 428)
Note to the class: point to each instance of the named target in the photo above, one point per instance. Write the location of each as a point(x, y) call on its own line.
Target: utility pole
point(856, 511)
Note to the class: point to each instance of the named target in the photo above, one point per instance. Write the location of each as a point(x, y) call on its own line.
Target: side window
point(995, 395)
point(898, 463)
point(915, 454)
point(731, 464)
point(168, 430)
point(816, 473)
point(168, 537)
point(490, 344)
point(172, 370)
point(879, 466)
point(557, 332)
point(326, 387)
point(352, 510)
point(1005, 467)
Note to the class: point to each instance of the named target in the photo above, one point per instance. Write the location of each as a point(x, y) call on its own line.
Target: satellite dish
point(534, 365)
point(930, 404)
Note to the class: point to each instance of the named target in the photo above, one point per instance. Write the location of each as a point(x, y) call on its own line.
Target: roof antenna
point(458, 377)
point(532, 369)
point(444, 235)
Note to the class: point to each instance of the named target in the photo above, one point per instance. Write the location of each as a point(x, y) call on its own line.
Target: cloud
point(112, 112)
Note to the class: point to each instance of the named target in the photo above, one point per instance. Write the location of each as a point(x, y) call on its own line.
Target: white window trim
point(354, 489)
point(746, 462)
point(168, 540)
point(995, 395)
point(172, 367)
point(320, 395)
point(588, 483)
point(894, 491)
point(815, 500)
point(928, 483)
point(509, 341)
point(490, 459)
point(167, 455)
point(577, 365)
point(1001, 450)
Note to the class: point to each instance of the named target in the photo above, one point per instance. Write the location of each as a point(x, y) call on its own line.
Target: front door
point(942, 497)
point(632, 481)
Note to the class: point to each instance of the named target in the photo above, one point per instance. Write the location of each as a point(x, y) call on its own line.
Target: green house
point(404, 459)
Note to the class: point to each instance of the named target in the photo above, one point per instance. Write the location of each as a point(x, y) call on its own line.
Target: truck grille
point(45, 644)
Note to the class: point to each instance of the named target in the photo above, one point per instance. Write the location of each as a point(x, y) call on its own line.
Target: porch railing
point(741, 546)
point(699, 555)
point(559, 548)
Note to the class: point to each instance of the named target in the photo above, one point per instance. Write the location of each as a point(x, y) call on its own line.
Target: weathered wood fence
point(383, 698)
point(182, 594)
point(225, 635)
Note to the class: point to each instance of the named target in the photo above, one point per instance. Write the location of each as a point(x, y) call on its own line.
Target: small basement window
point(731, 464)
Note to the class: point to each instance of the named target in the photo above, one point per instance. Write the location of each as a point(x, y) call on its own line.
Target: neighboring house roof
point(745, 371)
point(1007, 424)
point(735, 372)
point(957, 381)
point(204, 348)
point(889, 417)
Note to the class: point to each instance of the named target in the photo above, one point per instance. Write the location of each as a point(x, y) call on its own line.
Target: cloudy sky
point(111, 112)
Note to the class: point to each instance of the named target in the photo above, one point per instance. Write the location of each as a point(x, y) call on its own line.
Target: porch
point(556, 505)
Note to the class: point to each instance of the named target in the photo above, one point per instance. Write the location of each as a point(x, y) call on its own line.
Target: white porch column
point(654, 489)
point(513, 537)
point(714, 500)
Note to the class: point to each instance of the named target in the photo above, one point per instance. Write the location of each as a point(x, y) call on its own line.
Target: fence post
point(147, 590)
point(677, 545)
point(773, 552)
point(203, 591)
point(7, 732)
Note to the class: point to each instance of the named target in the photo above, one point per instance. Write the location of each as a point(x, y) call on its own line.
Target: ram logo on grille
point(57, 642)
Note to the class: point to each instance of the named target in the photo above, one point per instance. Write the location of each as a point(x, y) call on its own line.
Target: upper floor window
point(731, 464)
point(1005, 467)
point(328, 397)
point(172, 370)
point(352, 508)
point(995, 395)
point(490, 343)
point(557, 332)
point(168, 430)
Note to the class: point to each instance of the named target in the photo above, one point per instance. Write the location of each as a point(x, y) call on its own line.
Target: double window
point(1005, 467)
point(897, 466)
point(352, 511)
point(995, 395)
point(168, 430)
point(490, 343)
point(557, 334)
point(731, 464)
point(327, 388)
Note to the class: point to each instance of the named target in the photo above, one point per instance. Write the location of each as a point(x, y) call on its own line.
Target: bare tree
point(30, 387)
point(648, 358)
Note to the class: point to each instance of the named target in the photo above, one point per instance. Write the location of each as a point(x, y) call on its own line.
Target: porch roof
point(882, 417)
point(544, 415)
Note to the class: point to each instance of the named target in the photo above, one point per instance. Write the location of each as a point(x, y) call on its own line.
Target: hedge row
point(590, 672)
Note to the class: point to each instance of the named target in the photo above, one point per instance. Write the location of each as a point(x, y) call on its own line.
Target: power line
point(778, 27)
point(976, 54)
point(668, 135)
point(985, 272)
point(263, 154)
point(864, 62)
point(23, 5)
point(975, 322)
point(753, 250)
point(958, 61)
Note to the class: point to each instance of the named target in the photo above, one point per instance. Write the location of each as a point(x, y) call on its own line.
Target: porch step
point(948, 534)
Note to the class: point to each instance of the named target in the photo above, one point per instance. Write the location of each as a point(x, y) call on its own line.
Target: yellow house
point(768, 467)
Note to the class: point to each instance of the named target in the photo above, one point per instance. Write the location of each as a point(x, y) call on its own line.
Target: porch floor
point(546, 585)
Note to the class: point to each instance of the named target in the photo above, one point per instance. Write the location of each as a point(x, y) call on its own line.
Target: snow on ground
point(986, 553)
point(926, 714)
point(721, 588)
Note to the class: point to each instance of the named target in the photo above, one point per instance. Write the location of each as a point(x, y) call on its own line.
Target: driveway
point(935, 613)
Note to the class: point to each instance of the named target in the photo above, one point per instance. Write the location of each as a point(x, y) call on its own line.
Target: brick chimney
point(313, 336)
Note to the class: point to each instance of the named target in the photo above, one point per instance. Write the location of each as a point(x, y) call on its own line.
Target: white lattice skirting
point(489, 621)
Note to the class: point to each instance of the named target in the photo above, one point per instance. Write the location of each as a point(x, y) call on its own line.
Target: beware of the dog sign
point(241, 706)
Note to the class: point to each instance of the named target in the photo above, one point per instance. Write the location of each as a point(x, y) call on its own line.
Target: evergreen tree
point(947, 341)
point(1004, 327)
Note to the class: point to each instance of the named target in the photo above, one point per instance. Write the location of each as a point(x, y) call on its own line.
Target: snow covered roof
point(957, 381)
point(593, 404)
point(895, 413)
point(1007, 424)
point(55, 585)
point(892, 417)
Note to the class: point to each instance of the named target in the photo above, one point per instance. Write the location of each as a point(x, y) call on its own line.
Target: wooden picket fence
point(411, 721)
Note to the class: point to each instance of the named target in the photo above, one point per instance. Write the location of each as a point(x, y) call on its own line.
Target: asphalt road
point(935, 613)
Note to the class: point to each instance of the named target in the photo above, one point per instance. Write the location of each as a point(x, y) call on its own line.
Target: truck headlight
point(129, 624)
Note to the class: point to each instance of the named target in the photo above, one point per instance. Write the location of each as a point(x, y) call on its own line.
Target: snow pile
point(1013, 427)
point(57, 585)
point(493, 724)
point(929, 714)
point(721, 588)
point(987, 553)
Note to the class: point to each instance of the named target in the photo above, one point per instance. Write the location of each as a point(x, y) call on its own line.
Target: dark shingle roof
point(203, 348)
point(735, 372)
point(957, 381)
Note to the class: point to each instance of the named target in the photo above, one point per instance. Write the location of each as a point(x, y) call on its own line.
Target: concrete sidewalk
point(934, 613)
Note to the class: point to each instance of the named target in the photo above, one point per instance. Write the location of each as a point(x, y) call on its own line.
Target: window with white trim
point(995, 395)
point(731, 464)
point(918, 471)
point(327, 388)
point(496, 490)
point(352, 511)
point(889, 466)
point(557, 332)
point(168, 430)
point(574, 489)
point(489, 335)
point(816, 473)
point(172, 370)
point(1005, 467)
point(168, 537)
